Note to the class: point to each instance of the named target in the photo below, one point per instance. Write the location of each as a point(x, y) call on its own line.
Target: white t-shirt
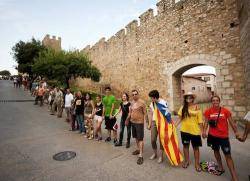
point(68, 99)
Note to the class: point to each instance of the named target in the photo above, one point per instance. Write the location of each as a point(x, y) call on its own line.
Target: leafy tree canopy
point(25, 53)
point(62, 65)
point(5, 73)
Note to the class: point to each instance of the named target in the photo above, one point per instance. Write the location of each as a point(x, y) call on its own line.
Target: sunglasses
point(134, 94)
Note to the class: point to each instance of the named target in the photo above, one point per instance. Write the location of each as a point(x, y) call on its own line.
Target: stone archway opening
point(196, 78)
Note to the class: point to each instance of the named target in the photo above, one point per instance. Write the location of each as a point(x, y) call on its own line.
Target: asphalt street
point(30, 136)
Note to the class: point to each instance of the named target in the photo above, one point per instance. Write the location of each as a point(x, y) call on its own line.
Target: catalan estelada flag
point(167, 133)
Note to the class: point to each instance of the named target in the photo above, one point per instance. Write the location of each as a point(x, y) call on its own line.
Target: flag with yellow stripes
point(167, 133)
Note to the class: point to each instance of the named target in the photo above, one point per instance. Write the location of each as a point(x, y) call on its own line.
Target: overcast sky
point(77, 22)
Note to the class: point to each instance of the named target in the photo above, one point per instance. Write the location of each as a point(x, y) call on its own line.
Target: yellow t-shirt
point(191, 124)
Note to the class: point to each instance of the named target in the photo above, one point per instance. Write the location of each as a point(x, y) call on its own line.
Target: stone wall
point(244, 16)
point(153, 53)
point(53, 42)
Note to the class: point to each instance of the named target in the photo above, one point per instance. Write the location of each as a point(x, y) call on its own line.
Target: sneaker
point(154, 156)
point(115, 141)
point(140, 161)
point(136, 152)
point(108, 139)
point(160, 160)
point(127, 144)
point(91, 138)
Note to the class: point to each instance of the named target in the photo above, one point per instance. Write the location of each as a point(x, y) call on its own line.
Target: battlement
point(164, 8)
point(48, 37)
point(132, 26)
point(86, 49)
point(121, 33)
point(164, 5)
point(52, 42)
point(146, 16)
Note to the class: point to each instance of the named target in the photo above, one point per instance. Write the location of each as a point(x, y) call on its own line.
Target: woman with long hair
point(89, 112)
point(124, 108)
point(98, 118)
point(191, 128)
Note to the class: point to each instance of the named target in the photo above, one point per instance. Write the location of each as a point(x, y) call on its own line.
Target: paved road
point(29, 137)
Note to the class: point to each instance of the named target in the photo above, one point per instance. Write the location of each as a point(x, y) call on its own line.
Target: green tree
point(62, 66)
point(25, 53)
point(5, 73)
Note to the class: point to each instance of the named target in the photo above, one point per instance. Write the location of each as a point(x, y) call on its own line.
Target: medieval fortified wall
point(54, 43)
point(244, 16)
point(154, 52)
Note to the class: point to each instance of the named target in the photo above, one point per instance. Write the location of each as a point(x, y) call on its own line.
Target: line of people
point(86, 116)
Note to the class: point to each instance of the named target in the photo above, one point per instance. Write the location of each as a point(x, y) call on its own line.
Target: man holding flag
point(160, 123)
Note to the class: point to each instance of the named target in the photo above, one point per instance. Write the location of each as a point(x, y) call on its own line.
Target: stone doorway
point(174, 71)
point(186, 83)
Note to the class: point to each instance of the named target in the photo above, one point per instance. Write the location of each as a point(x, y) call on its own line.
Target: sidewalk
point(29, 137)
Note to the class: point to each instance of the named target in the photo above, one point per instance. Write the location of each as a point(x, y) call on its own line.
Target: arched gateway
point(174, 71)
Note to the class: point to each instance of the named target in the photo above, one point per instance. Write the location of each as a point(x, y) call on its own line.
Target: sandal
point(140, 161)
point(219, 172)
point(185, 164)
point(198, 169)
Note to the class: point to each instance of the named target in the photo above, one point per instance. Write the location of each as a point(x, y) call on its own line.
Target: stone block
point(231, 102)
point(239, 108)
point(221, 91)
point(241, 114)
point(230, 90)
point(225, 84)
point(226, 97)
point(227, 56)
point(224, 72)
point(222, 53)
point(233, 114)
point(220, 79)
point(231, 60)
point(228, 77)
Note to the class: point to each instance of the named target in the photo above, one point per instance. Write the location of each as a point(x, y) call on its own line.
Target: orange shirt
point(40, 91)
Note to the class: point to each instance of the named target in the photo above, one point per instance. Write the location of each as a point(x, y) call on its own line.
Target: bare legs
point(196, 157)
point(230, 164)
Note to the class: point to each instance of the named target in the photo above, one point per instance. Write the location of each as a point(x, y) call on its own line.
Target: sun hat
point(189, 94)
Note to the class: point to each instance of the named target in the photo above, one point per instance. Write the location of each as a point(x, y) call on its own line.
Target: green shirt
point(107, 102)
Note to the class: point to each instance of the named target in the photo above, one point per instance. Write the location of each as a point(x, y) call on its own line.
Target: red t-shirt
point(221, 130)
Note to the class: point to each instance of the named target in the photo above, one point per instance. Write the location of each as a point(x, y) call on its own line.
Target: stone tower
point(54, 43)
